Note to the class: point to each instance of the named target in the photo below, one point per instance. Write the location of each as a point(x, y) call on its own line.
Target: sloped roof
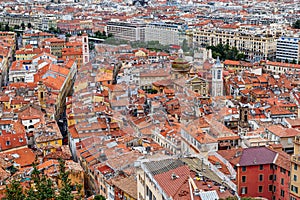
point(162, 166)
point(257, 156)
point(172, 185)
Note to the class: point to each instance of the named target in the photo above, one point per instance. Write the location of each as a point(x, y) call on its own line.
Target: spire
point(217, 63)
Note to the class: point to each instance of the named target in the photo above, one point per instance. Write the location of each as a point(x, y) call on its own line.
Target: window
point(7, 143)
point(243, 179)
point(295, 177)
point(282, 181)
point(271, 177)
point(294, 189)
point(219, 74)
point(270, 188)
point(295, 167)
point(260, 188)
point(244, 190)
point(261, 167)
point(274, 177)
point(261, 177)
point(282, 193)
point(243, 168)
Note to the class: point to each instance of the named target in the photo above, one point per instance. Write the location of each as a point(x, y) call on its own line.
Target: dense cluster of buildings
point(261, 30)
point(146, 124)
point(35, 85)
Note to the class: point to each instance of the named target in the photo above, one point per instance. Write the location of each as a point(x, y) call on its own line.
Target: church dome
point(180, 64)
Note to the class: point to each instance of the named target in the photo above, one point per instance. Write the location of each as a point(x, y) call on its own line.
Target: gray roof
point(158, 167)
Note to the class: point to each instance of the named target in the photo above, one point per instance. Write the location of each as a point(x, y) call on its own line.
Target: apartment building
point(174, 179)
point(18, 19)
point(75, 26)
point(280, 67)
point(166, 34)
point(288, 49)
point(127, 30)
point(295, 171)
point(55, 45)
point(261, 172)
point(35, 39)
point(254, 46)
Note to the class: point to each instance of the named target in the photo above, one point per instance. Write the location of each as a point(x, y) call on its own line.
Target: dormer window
point(7, 143)
point(20, 139)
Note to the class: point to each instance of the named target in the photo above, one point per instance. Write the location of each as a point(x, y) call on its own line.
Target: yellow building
point(48, 137)
point(256, 45)
point(56, 46)
point(29, 52)
point(295, 171)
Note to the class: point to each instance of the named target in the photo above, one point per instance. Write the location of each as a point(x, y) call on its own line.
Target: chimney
point(174, 176)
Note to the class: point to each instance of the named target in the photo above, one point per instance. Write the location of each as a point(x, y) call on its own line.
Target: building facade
point(127, 31)
point(295, 171)
point(254, 46)
point(288, 49)
point(166, 34)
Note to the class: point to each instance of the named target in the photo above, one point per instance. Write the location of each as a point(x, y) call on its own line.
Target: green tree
point(29, 25)
point(6, 27)
point(65, 193)
point(43, 186)
point(99, 197)
point(185, 47)
point(226, 52)
point(68, 35)
point(14, 191)
point(16, 27)
point(23, 26)
point(297, 24)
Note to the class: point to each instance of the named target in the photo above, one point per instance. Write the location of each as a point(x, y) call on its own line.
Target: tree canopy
point(226, 52)
point(297, 24)
point(42, 187)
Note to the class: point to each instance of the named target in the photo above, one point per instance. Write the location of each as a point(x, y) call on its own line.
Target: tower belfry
point(217, 79)
point(243, 125)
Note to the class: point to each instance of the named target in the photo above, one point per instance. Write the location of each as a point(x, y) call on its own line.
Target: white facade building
point(127, 31)
point(166, 34)
point(288, 49)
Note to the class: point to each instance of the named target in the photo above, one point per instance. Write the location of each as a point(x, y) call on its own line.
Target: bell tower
point(243, 124)
point(217, 79)
point(42, 91)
